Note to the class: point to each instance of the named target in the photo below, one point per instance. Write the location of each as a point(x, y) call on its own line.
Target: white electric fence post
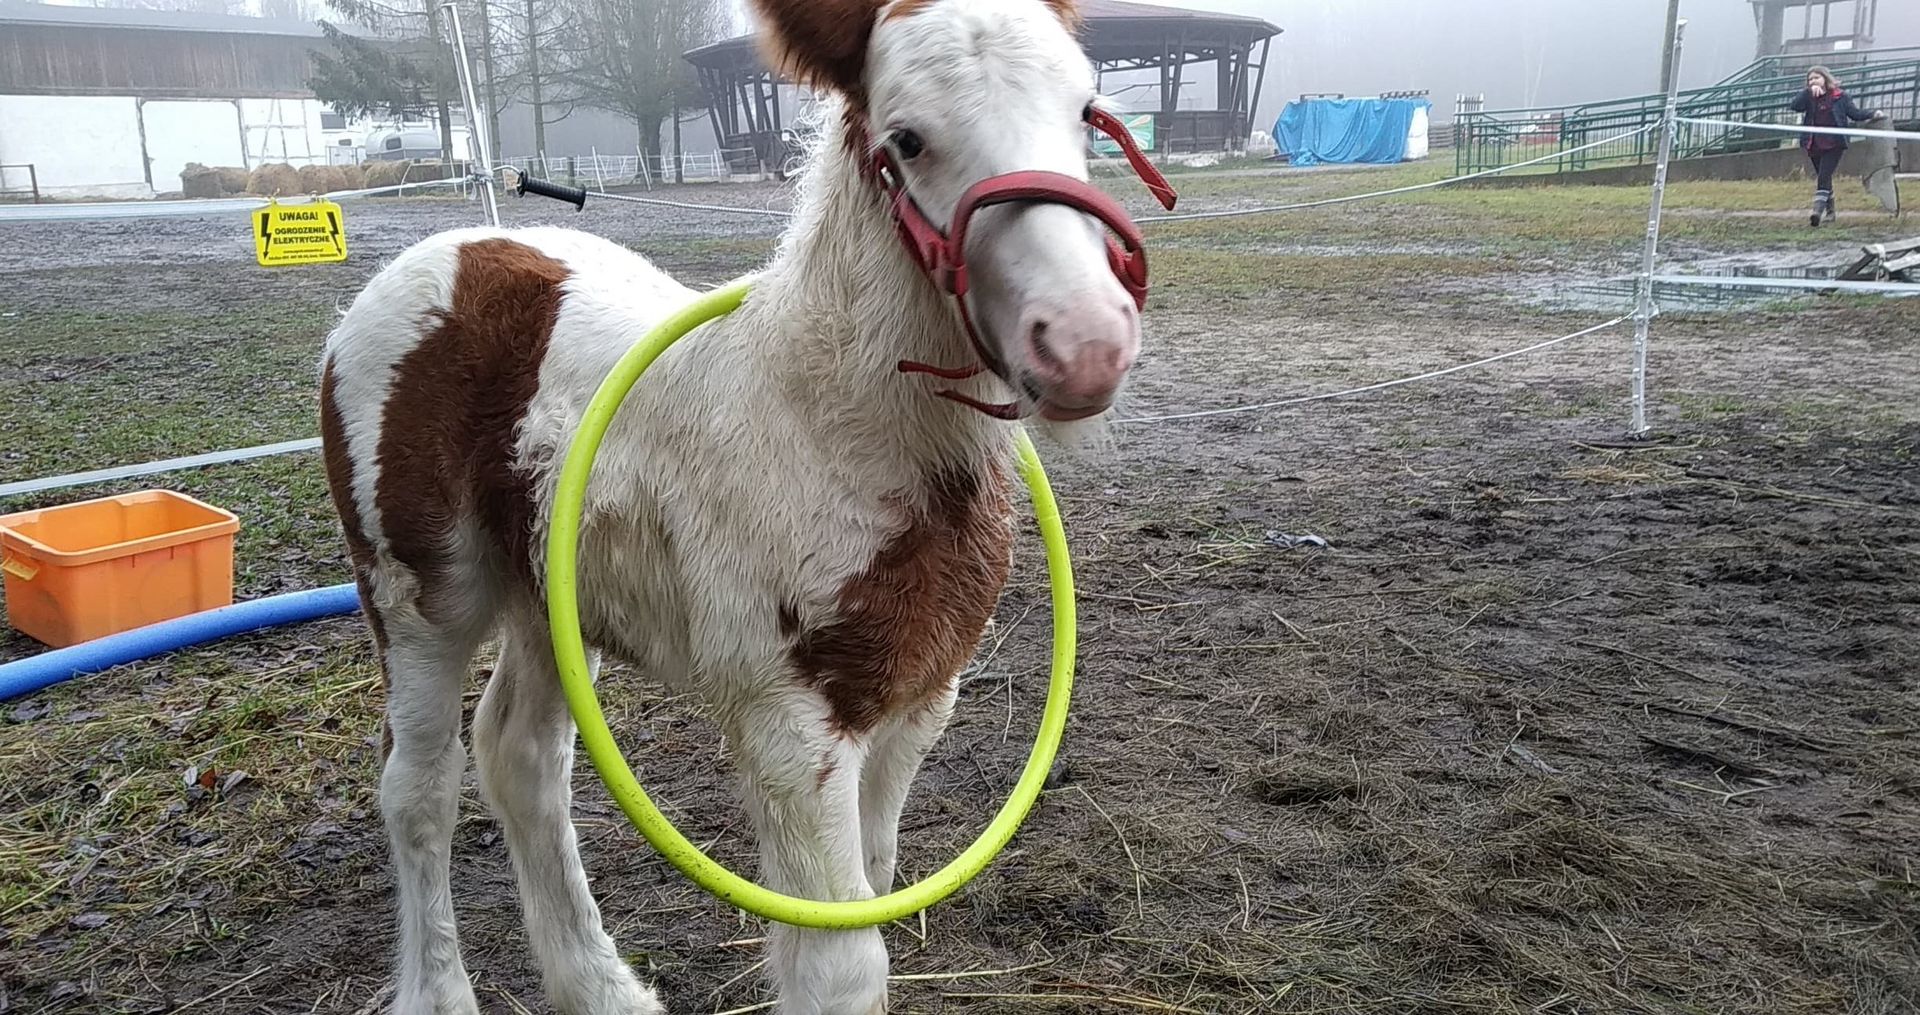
point(479, 145)
point(1643, 310)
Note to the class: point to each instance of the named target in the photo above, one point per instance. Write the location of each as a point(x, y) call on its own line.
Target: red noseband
point(942, 254)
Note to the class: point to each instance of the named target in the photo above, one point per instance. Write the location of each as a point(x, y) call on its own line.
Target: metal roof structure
point(1117, 35)
point(1109, 24)
point(1812, 27)
point(79, 51)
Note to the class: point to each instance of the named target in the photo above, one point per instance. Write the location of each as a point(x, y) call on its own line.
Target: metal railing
point(1794, 65)
point(1492, 138)
point(32, 189)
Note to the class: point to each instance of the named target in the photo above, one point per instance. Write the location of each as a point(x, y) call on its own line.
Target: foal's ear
point(1069, 12)
point(822, 43)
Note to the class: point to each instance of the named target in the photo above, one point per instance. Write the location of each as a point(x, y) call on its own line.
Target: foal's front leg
point(897, 747)
point(802, 786)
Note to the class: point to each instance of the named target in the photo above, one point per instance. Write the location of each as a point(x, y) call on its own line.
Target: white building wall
point(102, 147)
point(283, 130)
point(80, 146)
point(183, 131)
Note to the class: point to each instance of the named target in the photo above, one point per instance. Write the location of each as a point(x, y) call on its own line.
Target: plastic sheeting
point(1318, 131)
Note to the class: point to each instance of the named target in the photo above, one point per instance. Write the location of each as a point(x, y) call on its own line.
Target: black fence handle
point(575, 196)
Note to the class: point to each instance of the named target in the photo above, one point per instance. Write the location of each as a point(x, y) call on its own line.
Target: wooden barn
point(113, 103)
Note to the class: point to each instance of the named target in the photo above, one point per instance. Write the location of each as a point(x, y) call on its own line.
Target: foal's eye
point(908, 144)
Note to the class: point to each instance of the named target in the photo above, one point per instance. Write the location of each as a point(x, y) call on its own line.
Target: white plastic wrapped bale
point(1417, 135)
point(1880, 165)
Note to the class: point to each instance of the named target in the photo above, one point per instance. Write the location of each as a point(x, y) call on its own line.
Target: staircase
point(1886, 79)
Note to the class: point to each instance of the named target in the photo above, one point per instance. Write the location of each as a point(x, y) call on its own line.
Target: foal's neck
point(842, 305)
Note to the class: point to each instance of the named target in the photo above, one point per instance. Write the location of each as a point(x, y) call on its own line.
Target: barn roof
point(1115, 29)
point(18, 13)
point(1109, 10)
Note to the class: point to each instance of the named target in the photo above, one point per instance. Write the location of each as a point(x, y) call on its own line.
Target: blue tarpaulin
point(1347, 130)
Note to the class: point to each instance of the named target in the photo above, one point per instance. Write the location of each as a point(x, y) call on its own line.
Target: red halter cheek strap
point(941, 254)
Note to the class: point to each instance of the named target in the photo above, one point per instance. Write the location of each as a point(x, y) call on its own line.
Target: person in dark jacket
point(1823, 103)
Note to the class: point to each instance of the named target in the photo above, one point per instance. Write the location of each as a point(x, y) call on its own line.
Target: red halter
point(942, 255)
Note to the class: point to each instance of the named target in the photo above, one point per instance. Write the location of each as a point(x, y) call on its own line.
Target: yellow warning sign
point(311, 233)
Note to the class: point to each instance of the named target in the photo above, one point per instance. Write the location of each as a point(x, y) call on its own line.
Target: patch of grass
point(1710, 406)
point(206, 781)
point(1546, 219)
point(112, 388)
point(1180, 271)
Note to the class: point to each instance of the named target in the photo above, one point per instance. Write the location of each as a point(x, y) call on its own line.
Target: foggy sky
point(1516, 52)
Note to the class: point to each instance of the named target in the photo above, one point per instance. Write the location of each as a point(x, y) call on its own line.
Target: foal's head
point(944, 94)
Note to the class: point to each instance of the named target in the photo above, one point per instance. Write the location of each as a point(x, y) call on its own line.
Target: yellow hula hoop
point(569, 651)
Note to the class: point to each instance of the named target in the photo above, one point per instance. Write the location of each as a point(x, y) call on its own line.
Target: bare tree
point(629, 58)
point(404, 20)
point(524, 46)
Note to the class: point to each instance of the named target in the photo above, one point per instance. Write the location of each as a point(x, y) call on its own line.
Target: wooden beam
point(1260, 80)
point(1179, 72)
point(716, 93)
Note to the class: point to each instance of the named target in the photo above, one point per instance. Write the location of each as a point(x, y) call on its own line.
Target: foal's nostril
point(1043, 355)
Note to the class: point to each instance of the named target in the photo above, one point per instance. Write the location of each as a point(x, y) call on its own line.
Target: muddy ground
point(1555, 722)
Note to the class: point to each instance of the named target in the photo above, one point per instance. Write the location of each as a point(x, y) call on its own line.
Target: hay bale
point(275, 178)
point(318, 179)
point(385, 174)
point(197, 180)
point(351, 177)
point(233, 180)
point(338, 177)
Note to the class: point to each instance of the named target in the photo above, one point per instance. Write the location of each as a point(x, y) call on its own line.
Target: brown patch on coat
point(453, 415)
point(906, 9)
point(1068, 11)
point(339, 468)
point(906, 624)
point(820, 42)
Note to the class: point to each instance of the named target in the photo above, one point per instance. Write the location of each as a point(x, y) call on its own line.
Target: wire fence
point(1742, 105)
point(622, 164)
point(1158, 219)
point(196, 207)
point(311, 444)
point(1743, 126)
point(640, 169)
point(1380, 386)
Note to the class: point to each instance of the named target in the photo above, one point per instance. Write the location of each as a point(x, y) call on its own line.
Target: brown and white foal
point(785, 518)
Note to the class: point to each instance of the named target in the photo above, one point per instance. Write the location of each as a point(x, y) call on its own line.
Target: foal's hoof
point(616, 992)
point(446, 999)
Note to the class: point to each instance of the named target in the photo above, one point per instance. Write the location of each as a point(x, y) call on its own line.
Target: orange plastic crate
point(83, 571)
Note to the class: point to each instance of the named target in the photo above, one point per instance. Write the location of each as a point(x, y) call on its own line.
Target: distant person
point(1823, 103)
